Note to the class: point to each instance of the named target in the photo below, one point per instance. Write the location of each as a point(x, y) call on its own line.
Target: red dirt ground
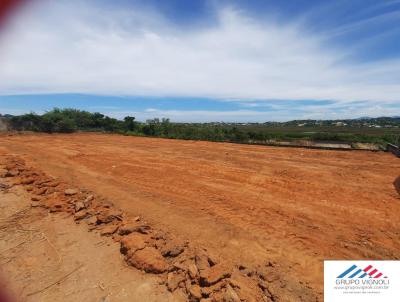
point(250, 204)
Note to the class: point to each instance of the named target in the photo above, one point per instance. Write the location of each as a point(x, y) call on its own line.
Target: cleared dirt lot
point(250, 204)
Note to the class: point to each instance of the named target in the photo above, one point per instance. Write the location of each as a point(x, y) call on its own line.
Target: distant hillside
point(378, 122)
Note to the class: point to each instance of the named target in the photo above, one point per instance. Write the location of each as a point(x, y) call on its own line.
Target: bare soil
point(47, 257)
point(253, 206)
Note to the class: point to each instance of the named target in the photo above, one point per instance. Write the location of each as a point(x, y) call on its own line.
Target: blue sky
point(204, 60)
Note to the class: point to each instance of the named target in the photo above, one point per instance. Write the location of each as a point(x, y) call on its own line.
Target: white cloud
point(76, 46)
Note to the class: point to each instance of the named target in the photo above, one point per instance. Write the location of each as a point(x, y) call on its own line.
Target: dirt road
point(251, 204)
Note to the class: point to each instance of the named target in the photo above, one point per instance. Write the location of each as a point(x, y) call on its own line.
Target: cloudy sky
point(199, 60)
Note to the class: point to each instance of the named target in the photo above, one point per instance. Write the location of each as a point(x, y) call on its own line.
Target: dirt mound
point(187, 268)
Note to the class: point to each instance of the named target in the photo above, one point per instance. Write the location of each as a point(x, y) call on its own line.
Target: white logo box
point(361, 281)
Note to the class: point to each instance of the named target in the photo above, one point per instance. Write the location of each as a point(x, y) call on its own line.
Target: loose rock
point(150, 260)
point(230, 295)
point(108, 216)
point(173, 280)
point(79, 206)
point(92, 220)
point(56, 207)
point(27, 181)
point(202, 261)
point(11, 173)
point(108, 230)
point(192, 270)
point(35, 198)
point(130, 228)
point(180, 265)
point(39, 191)
point(195, 292)
point(214, 274)
point(70, 192)
point(207, 291)
point(88, 200)
point(4, 186)
point(133, 242)
point(80, 215)
point(35, 204)
point(172, 249)
point(52, 184)
point(90, 197)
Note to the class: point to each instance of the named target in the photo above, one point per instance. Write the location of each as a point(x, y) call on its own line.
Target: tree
point(26, 122)
point(97, 120)
point(57, 121)
point(129, 123)
point(112, 124)
point(65, 125)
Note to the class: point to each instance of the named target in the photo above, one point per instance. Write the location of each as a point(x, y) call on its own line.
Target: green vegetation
point(378, 131)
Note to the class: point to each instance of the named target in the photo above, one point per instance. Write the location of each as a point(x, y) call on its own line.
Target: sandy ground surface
point(251, 204)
